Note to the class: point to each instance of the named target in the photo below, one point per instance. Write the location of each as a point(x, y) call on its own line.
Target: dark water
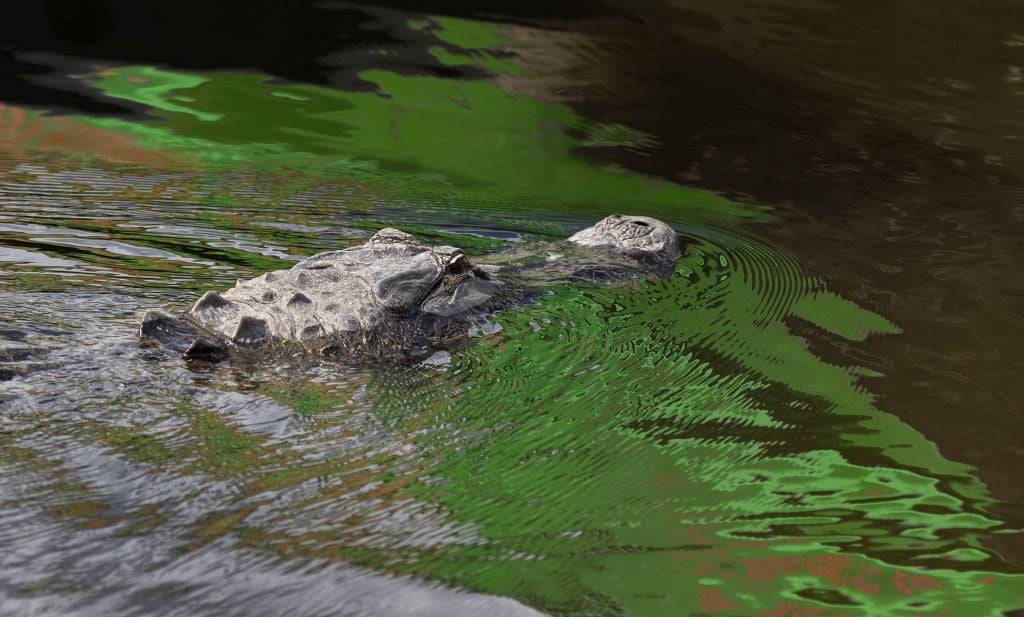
point(818, 414)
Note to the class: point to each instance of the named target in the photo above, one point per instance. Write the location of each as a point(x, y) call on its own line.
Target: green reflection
point(660, 449)
point(463, 141)
point(763, 481)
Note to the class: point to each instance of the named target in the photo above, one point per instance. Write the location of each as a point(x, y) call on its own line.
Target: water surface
point(814, 416)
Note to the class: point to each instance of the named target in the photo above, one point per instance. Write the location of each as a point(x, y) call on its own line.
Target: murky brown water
point(735, 440)
point(890, 136)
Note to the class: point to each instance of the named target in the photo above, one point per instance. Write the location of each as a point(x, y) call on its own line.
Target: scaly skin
point(390, 287)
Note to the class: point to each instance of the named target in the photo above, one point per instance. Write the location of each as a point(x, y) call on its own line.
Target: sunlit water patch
point(655, 448)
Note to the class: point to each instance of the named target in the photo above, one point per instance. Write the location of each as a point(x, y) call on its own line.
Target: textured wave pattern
point(661, 436)
point(660, 448)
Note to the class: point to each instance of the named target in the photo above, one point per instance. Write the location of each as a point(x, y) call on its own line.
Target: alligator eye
point(458, 265)
point(640, 223)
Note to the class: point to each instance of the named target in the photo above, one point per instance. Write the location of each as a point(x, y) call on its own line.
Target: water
point(816, 415)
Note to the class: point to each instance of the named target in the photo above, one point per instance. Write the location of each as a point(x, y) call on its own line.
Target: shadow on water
point(814, 416)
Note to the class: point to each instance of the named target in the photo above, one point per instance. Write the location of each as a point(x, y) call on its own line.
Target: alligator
point(396, 297)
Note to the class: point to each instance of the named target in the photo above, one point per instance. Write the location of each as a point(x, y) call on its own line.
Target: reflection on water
point(739, 439)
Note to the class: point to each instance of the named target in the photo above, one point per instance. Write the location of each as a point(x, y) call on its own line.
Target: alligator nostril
point(640, 223)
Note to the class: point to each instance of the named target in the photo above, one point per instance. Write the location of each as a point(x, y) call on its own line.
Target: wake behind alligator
point(395, 297)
